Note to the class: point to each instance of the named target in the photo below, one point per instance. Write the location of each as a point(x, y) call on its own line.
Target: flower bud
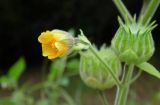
point(55, 43)
point(93, 72)
point(82, 43)
point(133, 43)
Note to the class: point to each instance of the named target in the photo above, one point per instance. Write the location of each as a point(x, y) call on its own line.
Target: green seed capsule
point(133, 43)
point(93, 73)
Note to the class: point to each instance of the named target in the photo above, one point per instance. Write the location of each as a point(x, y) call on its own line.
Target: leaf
point(150, 69)
point(17, 69)
point(4, 81)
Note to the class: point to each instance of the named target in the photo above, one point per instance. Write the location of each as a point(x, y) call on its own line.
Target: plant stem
point(136, 76)
point(103, 97)
point(123, 10)
point(144, 7)
point(107, 68)
point(63, 61)
point(124, 72)
point(44, 68)
point(122, 92)
point(152, 7)
point(67, 97)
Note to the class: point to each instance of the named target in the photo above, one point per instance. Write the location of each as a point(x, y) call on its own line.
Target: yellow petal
point(62, 47)
point(49, 51)
point(55, 43)
point(52, 56)
point(46, 37)
point(60, 35)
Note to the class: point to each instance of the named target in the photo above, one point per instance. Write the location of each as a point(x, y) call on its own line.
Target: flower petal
point(63, 47)
point(52, 56)
point(49, 51)
point(60, 35)
point(55, 43)
point(46, 37)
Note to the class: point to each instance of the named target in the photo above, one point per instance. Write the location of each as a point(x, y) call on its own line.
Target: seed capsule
point(93, 73)
point(133, 43)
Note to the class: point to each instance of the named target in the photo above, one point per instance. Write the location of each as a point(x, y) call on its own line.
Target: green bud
point(93, 72)
point(133, 42)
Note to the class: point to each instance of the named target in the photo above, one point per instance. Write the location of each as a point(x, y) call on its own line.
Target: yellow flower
point(55, 43)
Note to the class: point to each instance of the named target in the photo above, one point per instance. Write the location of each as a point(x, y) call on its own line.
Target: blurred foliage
point(73, 65)
point(56, 69)
point(57, 88)
point(134, 100)
point(12, 76)
point(50, 91)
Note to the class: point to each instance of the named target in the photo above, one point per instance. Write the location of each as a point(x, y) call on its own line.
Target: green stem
point(103, 97)
point(136, 76)
point(107, 68)
point(123, 10)
point(152, 7)
point(124, 72)
point(122, 92)
point(63, 61)
point(36, 87)
point(67, 97)
point(44, 68)
point(144, 7)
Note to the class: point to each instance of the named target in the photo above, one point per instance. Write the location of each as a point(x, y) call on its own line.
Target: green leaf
point(4, 81)
point(17, 69)
point(150, 69)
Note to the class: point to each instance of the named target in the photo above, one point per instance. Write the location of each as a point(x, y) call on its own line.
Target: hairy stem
point(123, 10)
point(150, 11)
point(122, 92)
point(107, 68)
point(103, 97)
point(136, 76)
point(144, 7)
